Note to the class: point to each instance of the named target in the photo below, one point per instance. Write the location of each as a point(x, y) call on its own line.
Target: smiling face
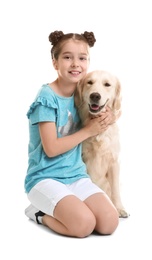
point(73, 61)
point(96, 91)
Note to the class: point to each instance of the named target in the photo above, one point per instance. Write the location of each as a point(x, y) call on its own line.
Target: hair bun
point(55, 36)
point(89, 36)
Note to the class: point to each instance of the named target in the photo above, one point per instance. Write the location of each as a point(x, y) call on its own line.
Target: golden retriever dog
point(101, 153)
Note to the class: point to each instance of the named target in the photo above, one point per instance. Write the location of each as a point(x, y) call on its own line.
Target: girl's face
point(73, 61)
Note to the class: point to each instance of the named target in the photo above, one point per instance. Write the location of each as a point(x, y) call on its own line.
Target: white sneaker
point(34, 214)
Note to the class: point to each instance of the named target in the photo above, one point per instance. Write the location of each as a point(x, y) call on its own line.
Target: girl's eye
point(67, 57)
point(83, 58)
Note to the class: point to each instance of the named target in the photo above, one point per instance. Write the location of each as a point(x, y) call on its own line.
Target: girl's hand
point(95, 126)
point(99, 124)
point(108, 117)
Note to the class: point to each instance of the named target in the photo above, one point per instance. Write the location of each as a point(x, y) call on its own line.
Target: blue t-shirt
point(67, 167)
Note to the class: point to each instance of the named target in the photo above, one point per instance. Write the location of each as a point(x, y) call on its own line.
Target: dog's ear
point(117, 99)
point(78, 93)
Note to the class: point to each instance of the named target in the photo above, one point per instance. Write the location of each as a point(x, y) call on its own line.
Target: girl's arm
point(54, 146)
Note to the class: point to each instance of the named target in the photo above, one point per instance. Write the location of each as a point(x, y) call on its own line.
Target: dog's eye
point(107, 84)
point(90, 82)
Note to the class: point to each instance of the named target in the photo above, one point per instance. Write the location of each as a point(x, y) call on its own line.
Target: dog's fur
point(101, 153)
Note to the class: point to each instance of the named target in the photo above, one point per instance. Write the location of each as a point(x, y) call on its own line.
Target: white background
point(123, 33)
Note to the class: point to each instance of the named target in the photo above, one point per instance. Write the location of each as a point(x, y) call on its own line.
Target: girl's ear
point(55, 64)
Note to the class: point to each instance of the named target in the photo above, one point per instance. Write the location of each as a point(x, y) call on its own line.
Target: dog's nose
point(95, 96)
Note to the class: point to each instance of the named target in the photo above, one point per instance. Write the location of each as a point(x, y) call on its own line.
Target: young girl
point(61, 193)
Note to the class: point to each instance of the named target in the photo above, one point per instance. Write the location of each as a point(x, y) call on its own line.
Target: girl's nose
point(75, 63)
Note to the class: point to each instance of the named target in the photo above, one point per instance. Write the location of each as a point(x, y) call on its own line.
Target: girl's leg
point(107, 218)
point(72, 217)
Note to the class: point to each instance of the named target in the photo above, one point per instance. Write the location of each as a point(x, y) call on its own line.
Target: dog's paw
point(123, 213)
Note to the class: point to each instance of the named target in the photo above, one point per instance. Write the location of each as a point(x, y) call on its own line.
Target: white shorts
point(47, 193)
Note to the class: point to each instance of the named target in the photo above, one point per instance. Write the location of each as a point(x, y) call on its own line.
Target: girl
point(61, 193)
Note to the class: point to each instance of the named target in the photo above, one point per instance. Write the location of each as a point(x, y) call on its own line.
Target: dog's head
point(98, 90)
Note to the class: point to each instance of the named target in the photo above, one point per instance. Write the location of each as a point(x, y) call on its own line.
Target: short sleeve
point(42, 111)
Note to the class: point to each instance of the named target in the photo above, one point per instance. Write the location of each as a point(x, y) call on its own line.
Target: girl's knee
point(85, 226)
point(109, 224)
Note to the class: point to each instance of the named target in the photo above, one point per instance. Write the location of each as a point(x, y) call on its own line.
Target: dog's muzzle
point(94, 106)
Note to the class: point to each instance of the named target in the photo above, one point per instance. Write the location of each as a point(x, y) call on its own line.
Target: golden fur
point(101, 153)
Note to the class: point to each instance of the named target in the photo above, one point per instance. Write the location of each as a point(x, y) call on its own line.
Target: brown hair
point(57, 38)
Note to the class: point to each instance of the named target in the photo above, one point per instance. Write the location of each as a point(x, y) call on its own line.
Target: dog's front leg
point(113, 178)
